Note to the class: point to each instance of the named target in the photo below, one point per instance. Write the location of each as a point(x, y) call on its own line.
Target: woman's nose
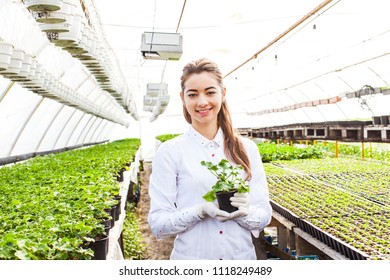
point(202, 99)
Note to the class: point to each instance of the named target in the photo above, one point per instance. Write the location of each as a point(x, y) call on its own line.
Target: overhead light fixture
point(161, 46)
point(151, 55)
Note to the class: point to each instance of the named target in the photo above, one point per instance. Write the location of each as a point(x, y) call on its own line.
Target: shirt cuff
point(254, 220)
point(187, 217)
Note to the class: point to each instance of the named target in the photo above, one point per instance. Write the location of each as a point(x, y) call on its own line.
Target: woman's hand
point(239, 200)
point(242, 202)
point(209, 209)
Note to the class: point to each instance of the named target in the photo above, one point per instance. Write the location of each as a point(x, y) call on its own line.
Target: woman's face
point(202, 97)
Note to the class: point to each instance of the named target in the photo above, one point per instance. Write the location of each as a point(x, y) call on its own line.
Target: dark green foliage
point(271, 152)
point(51, 207)
point(134, 246)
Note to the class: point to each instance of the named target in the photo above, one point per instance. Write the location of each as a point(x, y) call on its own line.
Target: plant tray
point(326, 238)
point(332, 241)
point(285, 213)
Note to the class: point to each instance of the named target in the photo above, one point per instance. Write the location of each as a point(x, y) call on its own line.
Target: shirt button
point(220, 232)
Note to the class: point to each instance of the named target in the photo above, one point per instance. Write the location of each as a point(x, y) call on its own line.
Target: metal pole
point(77, 124)
point(6, 91)
point(24, 126)
point(102, 130)
point(89, 129)
point(47, 129)
point(91, 117)
point(62, 130)
point(97, 129)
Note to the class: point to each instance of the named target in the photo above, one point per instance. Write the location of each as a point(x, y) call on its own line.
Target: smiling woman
point(202, 99)
point(179, 179)
point(289, 70)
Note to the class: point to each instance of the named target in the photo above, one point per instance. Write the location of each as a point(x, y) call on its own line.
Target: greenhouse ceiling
point(273, 53)
point(284, 62)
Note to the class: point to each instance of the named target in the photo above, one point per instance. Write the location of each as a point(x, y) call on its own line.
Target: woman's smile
point(204, 112)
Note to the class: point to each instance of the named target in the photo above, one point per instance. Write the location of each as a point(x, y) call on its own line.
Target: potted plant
point(229, 182)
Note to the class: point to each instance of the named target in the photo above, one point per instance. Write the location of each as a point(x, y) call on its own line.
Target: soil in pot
point(223, 199)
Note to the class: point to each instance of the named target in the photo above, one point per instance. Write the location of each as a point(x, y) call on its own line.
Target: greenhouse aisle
point(156, 249)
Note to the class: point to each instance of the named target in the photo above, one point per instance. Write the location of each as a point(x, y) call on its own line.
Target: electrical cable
point(181, 15)
point(295, 25)
point(154, 19)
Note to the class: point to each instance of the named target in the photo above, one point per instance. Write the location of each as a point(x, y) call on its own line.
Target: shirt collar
point(203, 141)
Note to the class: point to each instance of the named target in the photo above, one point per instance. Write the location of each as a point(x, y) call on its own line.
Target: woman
point(178, 181)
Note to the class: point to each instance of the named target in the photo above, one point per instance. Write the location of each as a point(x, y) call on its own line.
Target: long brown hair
point(234, 149)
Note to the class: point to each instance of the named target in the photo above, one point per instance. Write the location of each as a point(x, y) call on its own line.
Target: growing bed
point(345, 199)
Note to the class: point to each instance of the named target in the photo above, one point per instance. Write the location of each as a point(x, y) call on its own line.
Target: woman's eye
point(211, 92)
point(191, 95)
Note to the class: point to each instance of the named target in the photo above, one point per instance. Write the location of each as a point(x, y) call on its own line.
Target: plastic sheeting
point(341, 49)
point(33, 121)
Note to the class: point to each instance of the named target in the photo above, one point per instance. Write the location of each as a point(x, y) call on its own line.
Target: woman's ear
point(182, 97)
point(223, 93)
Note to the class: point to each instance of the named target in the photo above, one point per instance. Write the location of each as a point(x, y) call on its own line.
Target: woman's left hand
point(242, 202)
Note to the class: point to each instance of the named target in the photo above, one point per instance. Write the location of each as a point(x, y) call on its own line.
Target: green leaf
point(210, 196)
point(22, 255)
point(229, 178)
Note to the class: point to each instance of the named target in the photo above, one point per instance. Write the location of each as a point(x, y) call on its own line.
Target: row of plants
point(54, 206)
point(310, 198)
point(273, 152)
point(134, 246)
point(364, 178)
point(371, 185)
point(368, 234)
point(373, 151)
point(328, 194)
point(335, 165)
point(355, 150)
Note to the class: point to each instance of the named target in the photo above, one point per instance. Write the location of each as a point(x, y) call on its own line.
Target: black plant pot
point(100, 247)
point(111, 212)
point(119, 176)
point(223, 199)
point(130, 193)
point(107, 225)
point(118, 209)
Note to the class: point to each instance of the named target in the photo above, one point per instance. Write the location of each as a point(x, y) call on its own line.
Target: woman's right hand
point(209, 209)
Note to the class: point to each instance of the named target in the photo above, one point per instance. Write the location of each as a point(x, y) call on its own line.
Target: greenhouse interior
point(89, 90)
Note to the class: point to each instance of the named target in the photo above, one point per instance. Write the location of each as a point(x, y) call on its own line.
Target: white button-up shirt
point(177, 184)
